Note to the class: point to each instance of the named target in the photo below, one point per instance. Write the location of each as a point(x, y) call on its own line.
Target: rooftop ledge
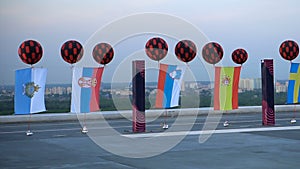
point(153, 113)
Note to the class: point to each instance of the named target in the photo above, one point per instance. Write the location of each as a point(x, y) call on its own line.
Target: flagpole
point(165, 125)
point(29, 132)
point(293, 120)
point(226, 123)
point(236, 114)
point(84, 128)
point(165, 112)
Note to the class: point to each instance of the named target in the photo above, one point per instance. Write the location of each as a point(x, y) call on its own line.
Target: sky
point(259, 26)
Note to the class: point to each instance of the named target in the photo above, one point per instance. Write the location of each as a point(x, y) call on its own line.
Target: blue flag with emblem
point(293, 95)
point(169, 85)
point(30, 90)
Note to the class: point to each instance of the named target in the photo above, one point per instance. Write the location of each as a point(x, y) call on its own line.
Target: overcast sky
point(259, 26)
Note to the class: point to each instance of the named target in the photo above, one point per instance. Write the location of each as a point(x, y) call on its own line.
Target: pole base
point(84, 130)
point(226, 123)
point(165, 126)
point(293, 121)
point(29, 133)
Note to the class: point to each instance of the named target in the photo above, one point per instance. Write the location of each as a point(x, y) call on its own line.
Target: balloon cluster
point(213, 52)
point(156, 49)
point(289, 50)
point(31, 51)
point(186, 50)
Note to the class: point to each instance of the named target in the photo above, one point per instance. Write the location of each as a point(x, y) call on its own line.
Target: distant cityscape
point(124, 89)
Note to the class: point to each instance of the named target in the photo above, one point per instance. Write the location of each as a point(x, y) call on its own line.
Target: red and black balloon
point(185, 50)
point(103, 53)
point(212, 52)
point(30, 52)
point(156, 48)
point(71, 51)
point(289, 50)
point(239, 56)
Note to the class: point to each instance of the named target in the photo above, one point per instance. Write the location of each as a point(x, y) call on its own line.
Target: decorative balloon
point(239, 56)
point(212, 52)
point(103, 53)
point(289, 50)
point(156, 48)
point(30, 52)
point(185, 50)
point(71, 51)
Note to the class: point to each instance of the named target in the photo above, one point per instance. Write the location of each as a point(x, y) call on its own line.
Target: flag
point(30, 90)
point(267, 84)
point(138, 96)
point(226, 88)
point(169, 85)
point(293, 95)
point(85, 89)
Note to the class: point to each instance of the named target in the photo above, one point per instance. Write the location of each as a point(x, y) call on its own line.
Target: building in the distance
point(246, 84)
point(249, 84)
point(257, 83)
point(193, 85)
point(69, 90)
point(59, 90)
point(279, 87)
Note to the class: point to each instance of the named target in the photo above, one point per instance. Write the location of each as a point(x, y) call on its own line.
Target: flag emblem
point(87, 82)
point(30, 88)
point(176, 74)
point(226, 80)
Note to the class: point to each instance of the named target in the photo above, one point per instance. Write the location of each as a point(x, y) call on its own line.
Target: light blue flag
point(294, 84)
point(30, 90)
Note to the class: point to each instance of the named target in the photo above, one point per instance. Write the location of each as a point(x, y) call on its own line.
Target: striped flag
point(169, 85)
point(293, 95)
point(85, 89)
point(30, 90)
point(226, 88)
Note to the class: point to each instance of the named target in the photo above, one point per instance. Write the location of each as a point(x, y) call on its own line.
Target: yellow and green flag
point(293, 95)
point(226, 88)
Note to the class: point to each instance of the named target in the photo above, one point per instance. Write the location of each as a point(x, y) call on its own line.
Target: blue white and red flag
point(85, 89)
point(169, 85)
